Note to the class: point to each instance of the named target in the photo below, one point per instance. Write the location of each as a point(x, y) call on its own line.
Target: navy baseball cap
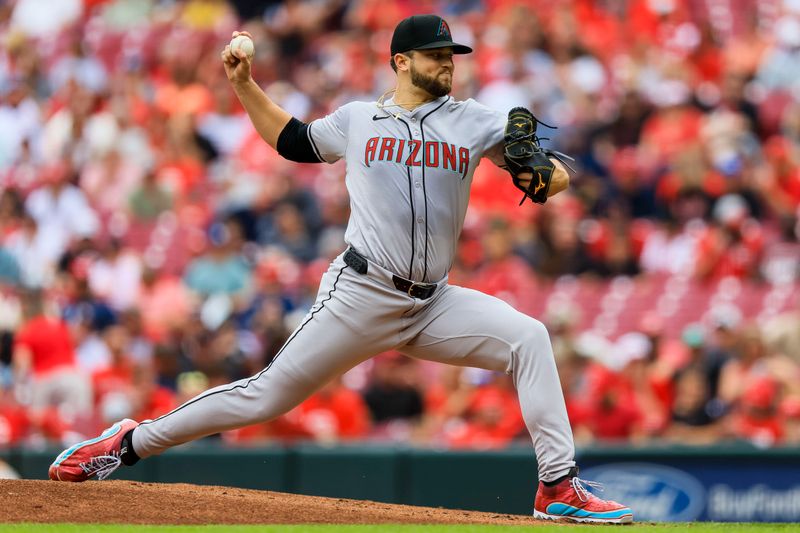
point(421, 32)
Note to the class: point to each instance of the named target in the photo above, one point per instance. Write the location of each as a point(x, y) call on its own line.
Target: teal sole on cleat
point(110, 432)
point(622, 516)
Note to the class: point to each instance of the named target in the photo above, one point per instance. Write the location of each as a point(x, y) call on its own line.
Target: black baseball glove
point(523, 154)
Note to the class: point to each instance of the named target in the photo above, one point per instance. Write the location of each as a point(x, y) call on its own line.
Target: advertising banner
point(719, 491)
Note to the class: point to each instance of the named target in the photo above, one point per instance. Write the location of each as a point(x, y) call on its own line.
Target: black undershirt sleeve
point(294, 143)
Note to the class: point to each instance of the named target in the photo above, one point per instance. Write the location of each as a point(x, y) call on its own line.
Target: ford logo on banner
point(653, 492)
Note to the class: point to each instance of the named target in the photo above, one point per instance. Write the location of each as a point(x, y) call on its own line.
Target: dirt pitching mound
point(132, 502)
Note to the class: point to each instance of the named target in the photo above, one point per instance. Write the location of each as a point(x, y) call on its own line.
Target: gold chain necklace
point(396, 116)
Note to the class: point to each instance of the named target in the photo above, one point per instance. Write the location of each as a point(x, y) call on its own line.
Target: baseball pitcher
point(410, 160)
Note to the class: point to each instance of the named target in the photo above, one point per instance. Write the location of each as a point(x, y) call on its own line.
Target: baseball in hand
point(243, 43)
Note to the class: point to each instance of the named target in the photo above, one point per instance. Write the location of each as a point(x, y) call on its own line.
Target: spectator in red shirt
point(674, 126)
point(493, 417)
point(758, 418)
point(45, 368)
point(733, 245)
point(334, 413)
point(753, 365)
point(648, 383)
point(612, 411)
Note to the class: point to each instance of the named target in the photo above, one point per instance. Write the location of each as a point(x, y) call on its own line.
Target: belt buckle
point(423, 287)
point(411, 288)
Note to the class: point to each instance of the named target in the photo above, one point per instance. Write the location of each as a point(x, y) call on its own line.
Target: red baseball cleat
point(571, 500)
point(97, 457)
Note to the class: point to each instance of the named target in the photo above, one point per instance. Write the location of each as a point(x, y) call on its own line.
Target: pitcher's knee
point(534, 337)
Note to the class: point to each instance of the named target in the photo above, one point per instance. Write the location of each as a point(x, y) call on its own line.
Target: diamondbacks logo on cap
point(444, 29)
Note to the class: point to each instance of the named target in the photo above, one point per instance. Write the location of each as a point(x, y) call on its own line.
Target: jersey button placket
point(419, 226)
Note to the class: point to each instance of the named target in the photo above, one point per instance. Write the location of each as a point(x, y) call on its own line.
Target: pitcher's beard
point(430, 84)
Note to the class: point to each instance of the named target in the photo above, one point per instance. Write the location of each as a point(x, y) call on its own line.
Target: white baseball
point(245, 44)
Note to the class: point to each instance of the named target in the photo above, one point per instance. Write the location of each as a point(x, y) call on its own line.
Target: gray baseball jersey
point(409, 175)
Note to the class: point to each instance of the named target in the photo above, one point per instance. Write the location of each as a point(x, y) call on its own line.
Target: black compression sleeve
point(294, 143)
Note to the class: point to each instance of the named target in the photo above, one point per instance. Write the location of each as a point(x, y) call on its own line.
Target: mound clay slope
point(158, 503)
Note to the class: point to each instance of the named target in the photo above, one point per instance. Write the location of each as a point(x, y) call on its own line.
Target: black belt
point(415, 289)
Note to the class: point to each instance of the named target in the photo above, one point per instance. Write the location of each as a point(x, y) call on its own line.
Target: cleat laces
point(580, 487)
point(102, 466)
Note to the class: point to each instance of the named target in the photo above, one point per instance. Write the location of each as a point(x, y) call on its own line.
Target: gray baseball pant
point(358, 316)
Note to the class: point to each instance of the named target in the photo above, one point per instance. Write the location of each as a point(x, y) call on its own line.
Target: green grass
point(699, 527)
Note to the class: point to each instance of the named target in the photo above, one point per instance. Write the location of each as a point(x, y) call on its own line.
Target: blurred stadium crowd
point(152, 246)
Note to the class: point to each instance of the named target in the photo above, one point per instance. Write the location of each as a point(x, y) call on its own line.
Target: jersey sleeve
point(328, 135)
point(494, 132)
